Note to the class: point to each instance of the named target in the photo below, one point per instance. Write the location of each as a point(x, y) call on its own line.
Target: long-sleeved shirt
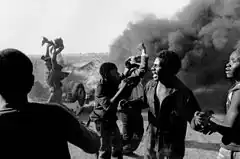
point(170, 118)
point(42, 131)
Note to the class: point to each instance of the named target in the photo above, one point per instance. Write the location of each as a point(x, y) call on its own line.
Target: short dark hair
point(16, 71)
point(170, 60)
point(105, 68)
point(15, 60)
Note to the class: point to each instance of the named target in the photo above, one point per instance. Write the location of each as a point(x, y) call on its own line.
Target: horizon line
point(72, 53)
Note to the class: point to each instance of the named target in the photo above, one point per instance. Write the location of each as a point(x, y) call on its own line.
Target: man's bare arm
point(232, 114)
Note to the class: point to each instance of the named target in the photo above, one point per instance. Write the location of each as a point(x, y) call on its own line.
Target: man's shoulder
point(101, 83)
point(102, 86)
point(34, 108)
point(179, 85)
point(236, 95)
point(49, 107)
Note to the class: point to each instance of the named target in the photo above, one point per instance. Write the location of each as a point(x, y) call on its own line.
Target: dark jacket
point(104, 110)
point(171, 117)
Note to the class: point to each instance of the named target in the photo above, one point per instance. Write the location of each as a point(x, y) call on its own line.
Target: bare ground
point(198, 146)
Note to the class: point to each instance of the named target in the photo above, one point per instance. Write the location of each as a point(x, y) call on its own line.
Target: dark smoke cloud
point(204, 34)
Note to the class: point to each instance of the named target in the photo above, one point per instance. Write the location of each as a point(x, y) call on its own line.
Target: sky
point(85, 25)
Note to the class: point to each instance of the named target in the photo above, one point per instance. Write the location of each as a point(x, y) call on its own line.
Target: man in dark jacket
point(171, 106)
point(104, 115)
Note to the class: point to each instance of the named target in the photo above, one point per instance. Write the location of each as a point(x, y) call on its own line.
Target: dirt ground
point(198, 146)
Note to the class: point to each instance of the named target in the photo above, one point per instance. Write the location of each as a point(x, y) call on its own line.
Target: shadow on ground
point(203, 146)
point(135, 156)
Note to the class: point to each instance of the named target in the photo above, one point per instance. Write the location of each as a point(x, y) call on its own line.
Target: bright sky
point(84, 25)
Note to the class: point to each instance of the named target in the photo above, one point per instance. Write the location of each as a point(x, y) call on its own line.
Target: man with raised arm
point(54, 73)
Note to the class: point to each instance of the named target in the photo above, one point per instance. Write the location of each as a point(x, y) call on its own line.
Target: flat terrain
point(198, 146)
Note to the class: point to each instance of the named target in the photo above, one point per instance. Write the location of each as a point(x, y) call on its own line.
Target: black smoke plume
point(203, 34)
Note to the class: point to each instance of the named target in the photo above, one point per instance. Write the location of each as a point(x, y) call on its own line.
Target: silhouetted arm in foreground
point(79, 135)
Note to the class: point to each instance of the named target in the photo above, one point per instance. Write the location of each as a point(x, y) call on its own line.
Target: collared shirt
point(170, 118)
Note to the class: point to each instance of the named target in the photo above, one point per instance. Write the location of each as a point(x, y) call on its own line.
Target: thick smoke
point(204, 34)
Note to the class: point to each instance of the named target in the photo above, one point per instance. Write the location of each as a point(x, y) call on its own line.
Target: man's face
point(114, 76)
point(157, 69)
point(233, 65)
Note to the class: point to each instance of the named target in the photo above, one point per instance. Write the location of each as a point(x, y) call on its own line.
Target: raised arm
point(106, 102)
point(230, 121)
point(140, 72)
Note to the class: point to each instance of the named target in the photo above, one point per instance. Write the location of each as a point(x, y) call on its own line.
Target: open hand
point(44, 40)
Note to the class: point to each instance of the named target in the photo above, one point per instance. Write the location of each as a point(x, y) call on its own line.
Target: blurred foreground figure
point(34, 130)
point(107, 96)
point(131, 106)
point(171, 106)
point(54, 74)
point(230, 127)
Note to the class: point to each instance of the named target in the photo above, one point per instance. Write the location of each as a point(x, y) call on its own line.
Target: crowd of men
point(43, 130)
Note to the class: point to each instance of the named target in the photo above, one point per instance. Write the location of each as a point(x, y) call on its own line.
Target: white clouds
point(85, 25)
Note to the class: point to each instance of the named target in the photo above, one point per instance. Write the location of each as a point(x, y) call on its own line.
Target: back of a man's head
point(105, 68)
point(16, 74)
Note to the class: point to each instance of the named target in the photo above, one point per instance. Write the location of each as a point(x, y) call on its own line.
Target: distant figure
point(131, 106)
point(171, 105)
point(104, 115)
point(54, 74)
point(34, 130)
point(74, 91)
point(230, 127)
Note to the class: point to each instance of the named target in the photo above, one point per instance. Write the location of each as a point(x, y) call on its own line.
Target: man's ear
point(30, 83)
